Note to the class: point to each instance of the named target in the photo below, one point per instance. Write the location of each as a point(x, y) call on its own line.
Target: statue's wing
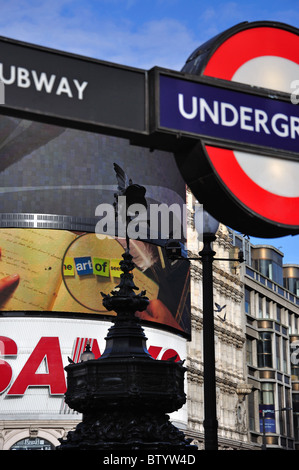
point(122, 179)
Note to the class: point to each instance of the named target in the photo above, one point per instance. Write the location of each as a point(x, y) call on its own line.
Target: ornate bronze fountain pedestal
point(125, 395)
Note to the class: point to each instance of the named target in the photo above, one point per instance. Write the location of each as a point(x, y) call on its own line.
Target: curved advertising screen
point(57, 177)
point(56, 185)
point(44, 270)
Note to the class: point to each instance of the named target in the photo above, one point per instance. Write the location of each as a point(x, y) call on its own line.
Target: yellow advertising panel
point(62, 271)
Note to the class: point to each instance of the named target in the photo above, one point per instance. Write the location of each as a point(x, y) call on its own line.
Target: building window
point(287, 411)
point(278, 313)
point(282, 424)
point(277, 351)
point(270, 269)
point(267, 393)
point(261, 314)
point(295, 372)
point(251, 411)
point(292, 284)
point(290, 322)
point(266, 407)
point(264, 350)
point(295, 361)
point(264, 307)
point(284, 355)
point(267, 308)
point(296, 426)
point(295, 403)
point(249, 356)
point(247, 301)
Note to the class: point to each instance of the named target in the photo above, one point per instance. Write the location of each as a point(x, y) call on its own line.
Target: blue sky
point(140, 33)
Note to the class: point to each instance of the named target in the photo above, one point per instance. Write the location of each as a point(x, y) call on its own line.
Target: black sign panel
point(48, 83)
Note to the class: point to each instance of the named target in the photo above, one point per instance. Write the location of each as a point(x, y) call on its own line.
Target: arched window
point(33, 443)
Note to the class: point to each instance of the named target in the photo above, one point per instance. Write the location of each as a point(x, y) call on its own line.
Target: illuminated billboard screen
point(53, 180)
point(56, 177)
point(46, 270)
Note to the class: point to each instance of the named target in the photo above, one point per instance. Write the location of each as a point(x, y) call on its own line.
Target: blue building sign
point(228, 115)
point(267, 418)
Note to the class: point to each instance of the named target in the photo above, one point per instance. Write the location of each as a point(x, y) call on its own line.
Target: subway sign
point(243, 107)
point(67, 89)
point(228, 115)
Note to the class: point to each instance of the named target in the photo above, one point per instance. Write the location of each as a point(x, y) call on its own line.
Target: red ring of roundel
point(225, 61)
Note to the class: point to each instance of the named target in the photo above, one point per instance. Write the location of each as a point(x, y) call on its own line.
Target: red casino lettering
point(7, 348)
point(49, 349)
point(170, 354)
point(154, 351)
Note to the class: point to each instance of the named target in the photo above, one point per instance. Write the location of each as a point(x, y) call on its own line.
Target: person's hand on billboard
point(8, 282)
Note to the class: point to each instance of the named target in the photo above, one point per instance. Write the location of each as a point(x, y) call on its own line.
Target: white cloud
point(165, 42)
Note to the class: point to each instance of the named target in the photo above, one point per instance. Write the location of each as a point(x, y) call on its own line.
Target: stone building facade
point(231, 384)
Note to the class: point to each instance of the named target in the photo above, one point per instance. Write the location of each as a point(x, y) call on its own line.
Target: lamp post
point(207, 257)
point(206, 226)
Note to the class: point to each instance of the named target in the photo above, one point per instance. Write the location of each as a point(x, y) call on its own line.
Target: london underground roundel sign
point(252, 188)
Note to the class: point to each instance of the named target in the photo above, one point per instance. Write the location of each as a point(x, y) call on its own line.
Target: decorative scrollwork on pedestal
point(126, 430)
